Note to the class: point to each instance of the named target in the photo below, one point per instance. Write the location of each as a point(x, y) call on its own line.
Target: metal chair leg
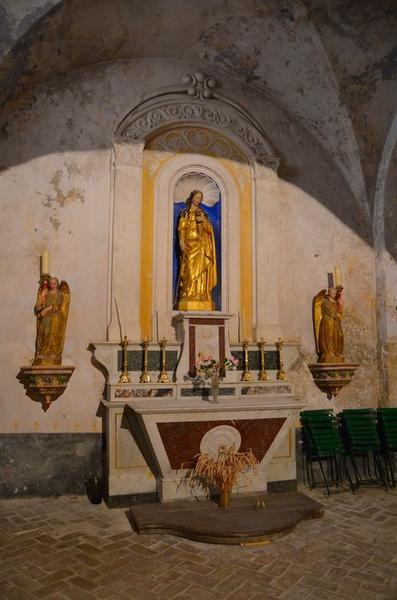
point(324, 477)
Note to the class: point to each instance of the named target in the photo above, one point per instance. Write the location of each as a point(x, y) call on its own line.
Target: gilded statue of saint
point(327, 317)
point(197, 268)
point(51, 309)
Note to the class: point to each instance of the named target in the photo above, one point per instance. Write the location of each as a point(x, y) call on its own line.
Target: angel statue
point(327, 319)
point(51, 309)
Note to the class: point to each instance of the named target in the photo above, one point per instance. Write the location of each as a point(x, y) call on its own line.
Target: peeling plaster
point(60, 198)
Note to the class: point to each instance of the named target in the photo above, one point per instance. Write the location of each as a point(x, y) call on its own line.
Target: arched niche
point(163, 234)
point(134, 222)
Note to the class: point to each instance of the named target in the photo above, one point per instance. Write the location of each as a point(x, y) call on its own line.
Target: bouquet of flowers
point(209, 368)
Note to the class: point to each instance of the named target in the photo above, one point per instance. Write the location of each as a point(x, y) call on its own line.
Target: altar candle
point(157, 325)
point(238, 327)
point(337, 276)
point(244, 325)
point(119, 319)
point(45, 262)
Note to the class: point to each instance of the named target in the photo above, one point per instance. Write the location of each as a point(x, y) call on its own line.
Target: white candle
point(119, 320)
point(238, 327)
point(157, 325)
point(45, 262)
point(244, 325)
point(337, 276)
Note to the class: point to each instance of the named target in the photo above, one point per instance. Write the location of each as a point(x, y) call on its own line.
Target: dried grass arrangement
point(221, 471)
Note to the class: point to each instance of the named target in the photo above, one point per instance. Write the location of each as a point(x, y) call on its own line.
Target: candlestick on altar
point(157, 326)
point(238, 328)
point(145, 377)
point(125, 376)
point(262, 376)
point(45, 263)
point(163, 377)
point(246, 375)
point(281, 375)
point(337, 277)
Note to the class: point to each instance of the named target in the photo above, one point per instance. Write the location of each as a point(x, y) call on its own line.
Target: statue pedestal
point(206, 333)
point(330, 378)
point(45, 383)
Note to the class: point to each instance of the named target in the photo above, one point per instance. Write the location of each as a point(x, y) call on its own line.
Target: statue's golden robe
point(51, 326)
point(197, 274)
point(330, 335)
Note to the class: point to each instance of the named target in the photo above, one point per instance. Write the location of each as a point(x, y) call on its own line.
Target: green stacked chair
point(322, 444)
point(360, 435)
point(387, 427)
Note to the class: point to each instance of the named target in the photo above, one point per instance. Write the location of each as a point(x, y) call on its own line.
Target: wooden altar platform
point(250, 519)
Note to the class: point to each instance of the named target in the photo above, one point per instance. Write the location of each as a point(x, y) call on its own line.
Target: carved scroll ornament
point(141, 122)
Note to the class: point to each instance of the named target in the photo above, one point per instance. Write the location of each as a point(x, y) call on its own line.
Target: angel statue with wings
point(51, 309)
point(327, 319)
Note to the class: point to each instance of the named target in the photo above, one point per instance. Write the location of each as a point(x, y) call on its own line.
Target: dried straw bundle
point(221, 471)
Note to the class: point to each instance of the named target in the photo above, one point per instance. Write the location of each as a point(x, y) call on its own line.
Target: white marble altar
point(173, 430)
point(153, 428)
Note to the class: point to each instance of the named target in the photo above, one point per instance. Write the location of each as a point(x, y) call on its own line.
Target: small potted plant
point(221, 472)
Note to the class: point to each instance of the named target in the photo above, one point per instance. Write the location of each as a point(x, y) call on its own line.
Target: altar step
point(250, 519)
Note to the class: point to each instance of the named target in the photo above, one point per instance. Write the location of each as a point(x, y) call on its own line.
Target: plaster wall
point(314, 242)
point(56, 193)
point(387, 276)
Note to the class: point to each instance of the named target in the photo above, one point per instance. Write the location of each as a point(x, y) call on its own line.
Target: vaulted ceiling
point(331, 64)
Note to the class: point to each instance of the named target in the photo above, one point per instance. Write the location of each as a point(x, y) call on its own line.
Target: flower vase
point(224, 497)
point(215, 389)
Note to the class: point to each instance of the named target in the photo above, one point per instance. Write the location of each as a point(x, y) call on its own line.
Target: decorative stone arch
point(166, 111)
point(140, 125)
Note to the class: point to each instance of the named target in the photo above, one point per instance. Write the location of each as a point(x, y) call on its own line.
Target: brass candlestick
point(125, 377)
point(163, 377)
point(281, 375)
point(246, 376)
point(262, 376)
point(145, 377)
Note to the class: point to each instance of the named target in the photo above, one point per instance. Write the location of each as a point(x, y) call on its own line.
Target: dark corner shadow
point(21, 377)
point(95, 363)
point(101, 414)
point(130, 518)
point(15, 71)
point(92, 483)
point(130, 421)
point(98, 484)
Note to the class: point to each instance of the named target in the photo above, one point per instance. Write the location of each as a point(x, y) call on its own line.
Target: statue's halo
point(197, 181)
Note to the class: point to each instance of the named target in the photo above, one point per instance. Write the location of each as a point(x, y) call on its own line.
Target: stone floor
point(66, 548)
